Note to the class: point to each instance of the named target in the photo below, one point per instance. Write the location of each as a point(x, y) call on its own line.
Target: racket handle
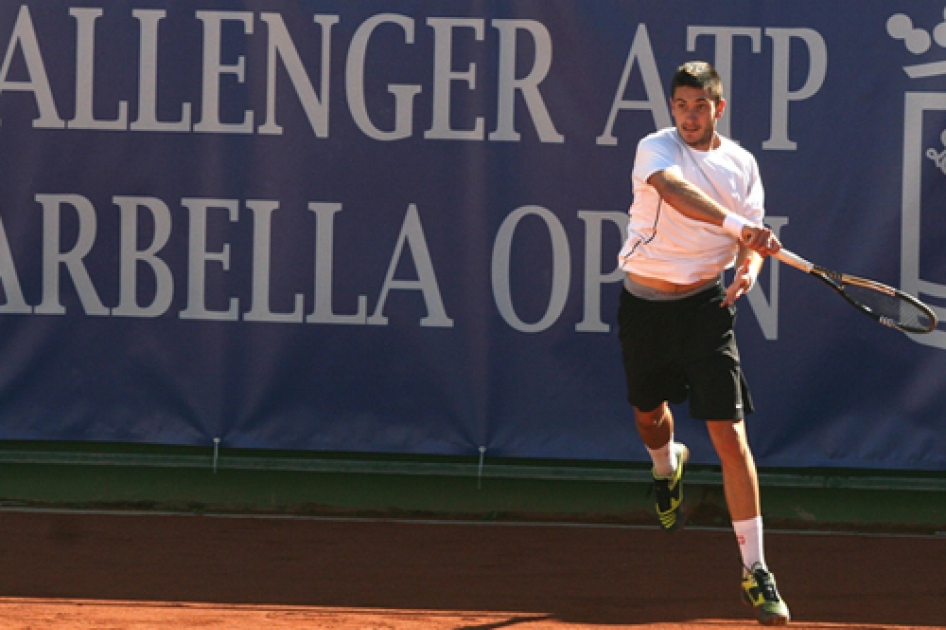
point(793, 259)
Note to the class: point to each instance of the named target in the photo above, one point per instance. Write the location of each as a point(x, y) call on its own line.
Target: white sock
point(749, 537)
point(664, 458)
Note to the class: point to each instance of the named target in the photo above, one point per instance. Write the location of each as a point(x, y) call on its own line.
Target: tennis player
point(697, 210)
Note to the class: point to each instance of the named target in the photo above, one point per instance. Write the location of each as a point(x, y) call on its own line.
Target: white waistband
point(647, 293)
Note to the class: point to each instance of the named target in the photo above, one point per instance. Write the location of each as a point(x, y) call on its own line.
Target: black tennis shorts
point(678, 350)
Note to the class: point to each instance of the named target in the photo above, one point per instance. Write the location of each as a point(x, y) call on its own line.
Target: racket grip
point(793, 259)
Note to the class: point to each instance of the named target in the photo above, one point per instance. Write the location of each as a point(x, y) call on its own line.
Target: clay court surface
point(93, 571)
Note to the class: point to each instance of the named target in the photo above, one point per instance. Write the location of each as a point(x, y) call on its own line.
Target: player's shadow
point(508, 623)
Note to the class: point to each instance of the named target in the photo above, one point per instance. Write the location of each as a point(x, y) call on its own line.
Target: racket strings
point(893, 310)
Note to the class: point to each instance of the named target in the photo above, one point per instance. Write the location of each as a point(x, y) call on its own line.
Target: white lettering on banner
point(207, 268)
point(594, 279)
point(281, 46)
point(214, 69)
point(781, 94)
point(561, 269)
point(445, 76)
point(766, 311)
point(262, 248)
point(85, 79)
point(323, 312)
point(130, 257)
point(23, 39)
point(459, 49)
point(412, 234)
point(355, 81)
point(508, 84)
point(148, 20)
point(198, 257)
point(722, 57)
point(73, 260)
point(641, 53)
point(381, 119)
point(528, 85)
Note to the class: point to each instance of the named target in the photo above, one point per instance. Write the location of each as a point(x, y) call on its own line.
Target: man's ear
point(721, 108)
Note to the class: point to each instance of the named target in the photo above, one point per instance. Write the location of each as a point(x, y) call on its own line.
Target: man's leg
point(741, 486)
point(656, 430)
point(740, 481)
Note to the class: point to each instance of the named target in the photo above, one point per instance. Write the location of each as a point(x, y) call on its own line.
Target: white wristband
point(733, 223)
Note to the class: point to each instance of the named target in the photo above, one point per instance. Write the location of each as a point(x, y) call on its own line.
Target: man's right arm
point(693, 203)
point(686, 198)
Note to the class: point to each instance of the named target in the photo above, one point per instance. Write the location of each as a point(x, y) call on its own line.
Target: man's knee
point(651, 419)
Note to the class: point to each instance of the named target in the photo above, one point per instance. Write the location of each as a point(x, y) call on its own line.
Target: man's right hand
point(760, 239)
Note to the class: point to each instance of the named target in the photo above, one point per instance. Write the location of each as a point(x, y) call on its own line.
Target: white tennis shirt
point(661, 242)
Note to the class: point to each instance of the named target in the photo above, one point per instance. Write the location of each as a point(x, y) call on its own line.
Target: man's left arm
point(748, 265)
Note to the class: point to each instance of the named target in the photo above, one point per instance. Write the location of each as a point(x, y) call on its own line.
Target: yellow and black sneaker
point(758, 591)
point(668, 492)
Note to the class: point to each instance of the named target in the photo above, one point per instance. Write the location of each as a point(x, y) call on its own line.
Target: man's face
point(695, 114)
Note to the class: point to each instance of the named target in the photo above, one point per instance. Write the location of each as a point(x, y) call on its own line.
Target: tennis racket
point(887, 305)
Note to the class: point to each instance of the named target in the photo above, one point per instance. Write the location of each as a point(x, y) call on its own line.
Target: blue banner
point(392, 226)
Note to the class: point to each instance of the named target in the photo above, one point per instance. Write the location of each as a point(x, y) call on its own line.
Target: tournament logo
point(924, 165)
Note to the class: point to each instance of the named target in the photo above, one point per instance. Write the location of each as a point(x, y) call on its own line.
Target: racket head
point(882, 303)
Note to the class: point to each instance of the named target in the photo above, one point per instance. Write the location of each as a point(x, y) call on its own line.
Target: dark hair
point(700, 75)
